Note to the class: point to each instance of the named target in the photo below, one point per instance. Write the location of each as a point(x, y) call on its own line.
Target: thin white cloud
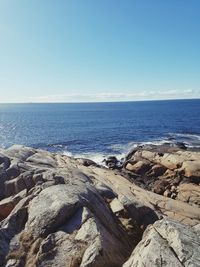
point(100, 97)
point(108, 96)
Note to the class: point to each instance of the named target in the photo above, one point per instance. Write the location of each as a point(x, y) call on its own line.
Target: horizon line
point(114, 101)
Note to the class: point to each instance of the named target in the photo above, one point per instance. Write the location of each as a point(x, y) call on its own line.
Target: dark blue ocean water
point(94, 129)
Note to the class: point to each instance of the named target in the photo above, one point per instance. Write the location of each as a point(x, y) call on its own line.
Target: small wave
point(117, 150)
point(156, 142)
point(193, 146)
point(125, 148)
point(186, 135)
point(3, 146)
point(121, 150)
point(97, 157)
point(68, 153)
point(190, 140)
point(94, 156)
point(58, 145)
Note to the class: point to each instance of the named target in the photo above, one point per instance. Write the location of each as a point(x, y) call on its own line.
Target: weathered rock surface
point(65, 220)
point(8, 204)
point(60, 211)
point(167, 243)
point(164, 170)
point(71, 223)
point(189, 193)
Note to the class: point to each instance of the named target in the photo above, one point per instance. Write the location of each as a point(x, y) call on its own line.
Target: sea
point(99, 130)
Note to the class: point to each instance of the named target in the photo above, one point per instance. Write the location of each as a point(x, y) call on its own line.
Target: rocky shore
point(64, 212)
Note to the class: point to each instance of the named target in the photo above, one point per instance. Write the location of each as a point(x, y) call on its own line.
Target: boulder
point(170, 166)
point(167, 243)
point(4, 162)
point(86, 162)
point(157, 170)
point(191, 169)
point(3, 179)
point(112, 162)
point(16, 185)
point(13, 172)
point(116, 206)
point(20, 152)
point(43, 158)
point(73, 224)
point(189, 193)
point(8, 204)
point(160, 186)
point(167, 193)
point(10, 227)
point(140, 167)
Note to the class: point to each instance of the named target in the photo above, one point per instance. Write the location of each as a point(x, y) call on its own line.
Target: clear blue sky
point(99, 50)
